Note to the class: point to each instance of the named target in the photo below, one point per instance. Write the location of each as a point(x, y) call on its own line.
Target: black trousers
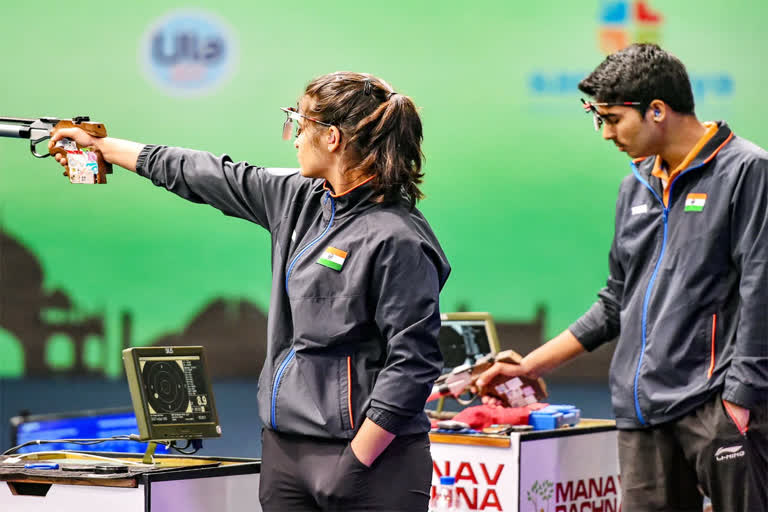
point(669, 467)
point(301, 473)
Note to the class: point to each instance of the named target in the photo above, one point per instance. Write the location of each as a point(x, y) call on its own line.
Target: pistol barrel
point(16, 131)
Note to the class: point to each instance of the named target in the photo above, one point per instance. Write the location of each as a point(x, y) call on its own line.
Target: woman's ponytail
point(382, 129)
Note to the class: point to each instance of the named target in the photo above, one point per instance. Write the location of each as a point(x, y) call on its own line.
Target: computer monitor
point(171, 393)
point(464, 338)
point(85, 424)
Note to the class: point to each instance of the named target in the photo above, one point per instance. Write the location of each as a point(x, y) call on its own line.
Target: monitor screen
point(91, 424)
point(464, 338)
point(171, 393)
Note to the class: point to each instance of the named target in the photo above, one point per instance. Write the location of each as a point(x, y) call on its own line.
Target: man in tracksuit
point(687, 295)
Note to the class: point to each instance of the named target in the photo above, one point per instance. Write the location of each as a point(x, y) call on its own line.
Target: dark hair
point(643, 73)
point(381, 128)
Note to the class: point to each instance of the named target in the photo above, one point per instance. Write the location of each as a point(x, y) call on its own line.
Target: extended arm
point(115, 151)
point(236, 188)
point(557, 351)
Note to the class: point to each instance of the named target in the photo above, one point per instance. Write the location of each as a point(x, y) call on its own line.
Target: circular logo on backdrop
point(189, 52)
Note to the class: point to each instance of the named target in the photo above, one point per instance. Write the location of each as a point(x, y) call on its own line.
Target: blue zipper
point(647, 298)
point(280, 372)
point(292, 353)
point(313, 242)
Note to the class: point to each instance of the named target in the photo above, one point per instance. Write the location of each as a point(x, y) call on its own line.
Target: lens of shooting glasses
point(598, 121)
point(287, 129)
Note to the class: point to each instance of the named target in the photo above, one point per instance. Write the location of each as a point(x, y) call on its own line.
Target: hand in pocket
point(350, 478)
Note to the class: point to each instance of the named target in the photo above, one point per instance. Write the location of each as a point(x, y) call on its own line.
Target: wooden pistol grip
point(57, 151)
point(95, 130)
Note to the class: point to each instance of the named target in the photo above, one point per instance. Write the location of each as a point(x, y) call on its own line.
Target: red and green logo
point(625, 22)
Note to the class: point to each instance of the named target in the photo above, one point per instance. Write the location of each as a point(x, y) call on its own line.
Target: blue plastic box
point(554, 416)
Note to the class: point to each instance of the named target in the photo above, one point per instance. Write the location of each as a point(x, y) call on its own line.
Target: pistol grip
point(95, 130)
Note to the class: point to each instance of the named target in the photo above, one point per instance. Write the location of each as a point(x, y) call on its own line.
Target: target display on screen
point(171, 392)
point(173, 388)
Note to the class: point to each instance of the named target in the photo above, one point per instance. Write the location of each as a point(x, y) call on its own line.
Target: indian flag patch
point(695, 202)
point(333, 258)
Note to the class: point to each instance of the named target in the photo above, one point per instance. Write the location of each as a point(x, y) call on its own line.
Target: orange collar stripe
point(335, 196)
point(726, 141)
point(711, 131)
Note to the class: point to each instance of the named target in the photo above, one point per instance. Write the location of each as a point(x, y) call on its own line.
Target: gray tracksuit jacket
point(354, 312)
point(687, 293)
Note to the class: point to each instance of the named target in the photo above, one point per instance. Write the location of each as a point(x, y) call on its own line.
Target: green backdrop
point(520, 190)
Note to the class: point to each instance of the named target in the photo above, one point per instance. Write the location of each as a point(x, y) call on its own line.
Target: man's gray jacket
point(687, 293)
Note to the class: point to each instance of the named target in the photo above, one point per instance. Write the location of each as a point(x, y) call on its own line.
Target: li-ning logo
point(732, 452)
point(626, 22)
point(188, 52)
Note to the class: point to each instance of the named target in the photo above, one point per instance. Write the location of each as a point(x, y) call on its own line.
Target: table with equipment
point(85, 482)
point(562, 470)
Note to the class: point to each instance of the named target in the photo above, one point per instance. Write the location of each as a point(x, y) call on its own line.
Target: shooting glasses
point(293, 114)
point(591, 108)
